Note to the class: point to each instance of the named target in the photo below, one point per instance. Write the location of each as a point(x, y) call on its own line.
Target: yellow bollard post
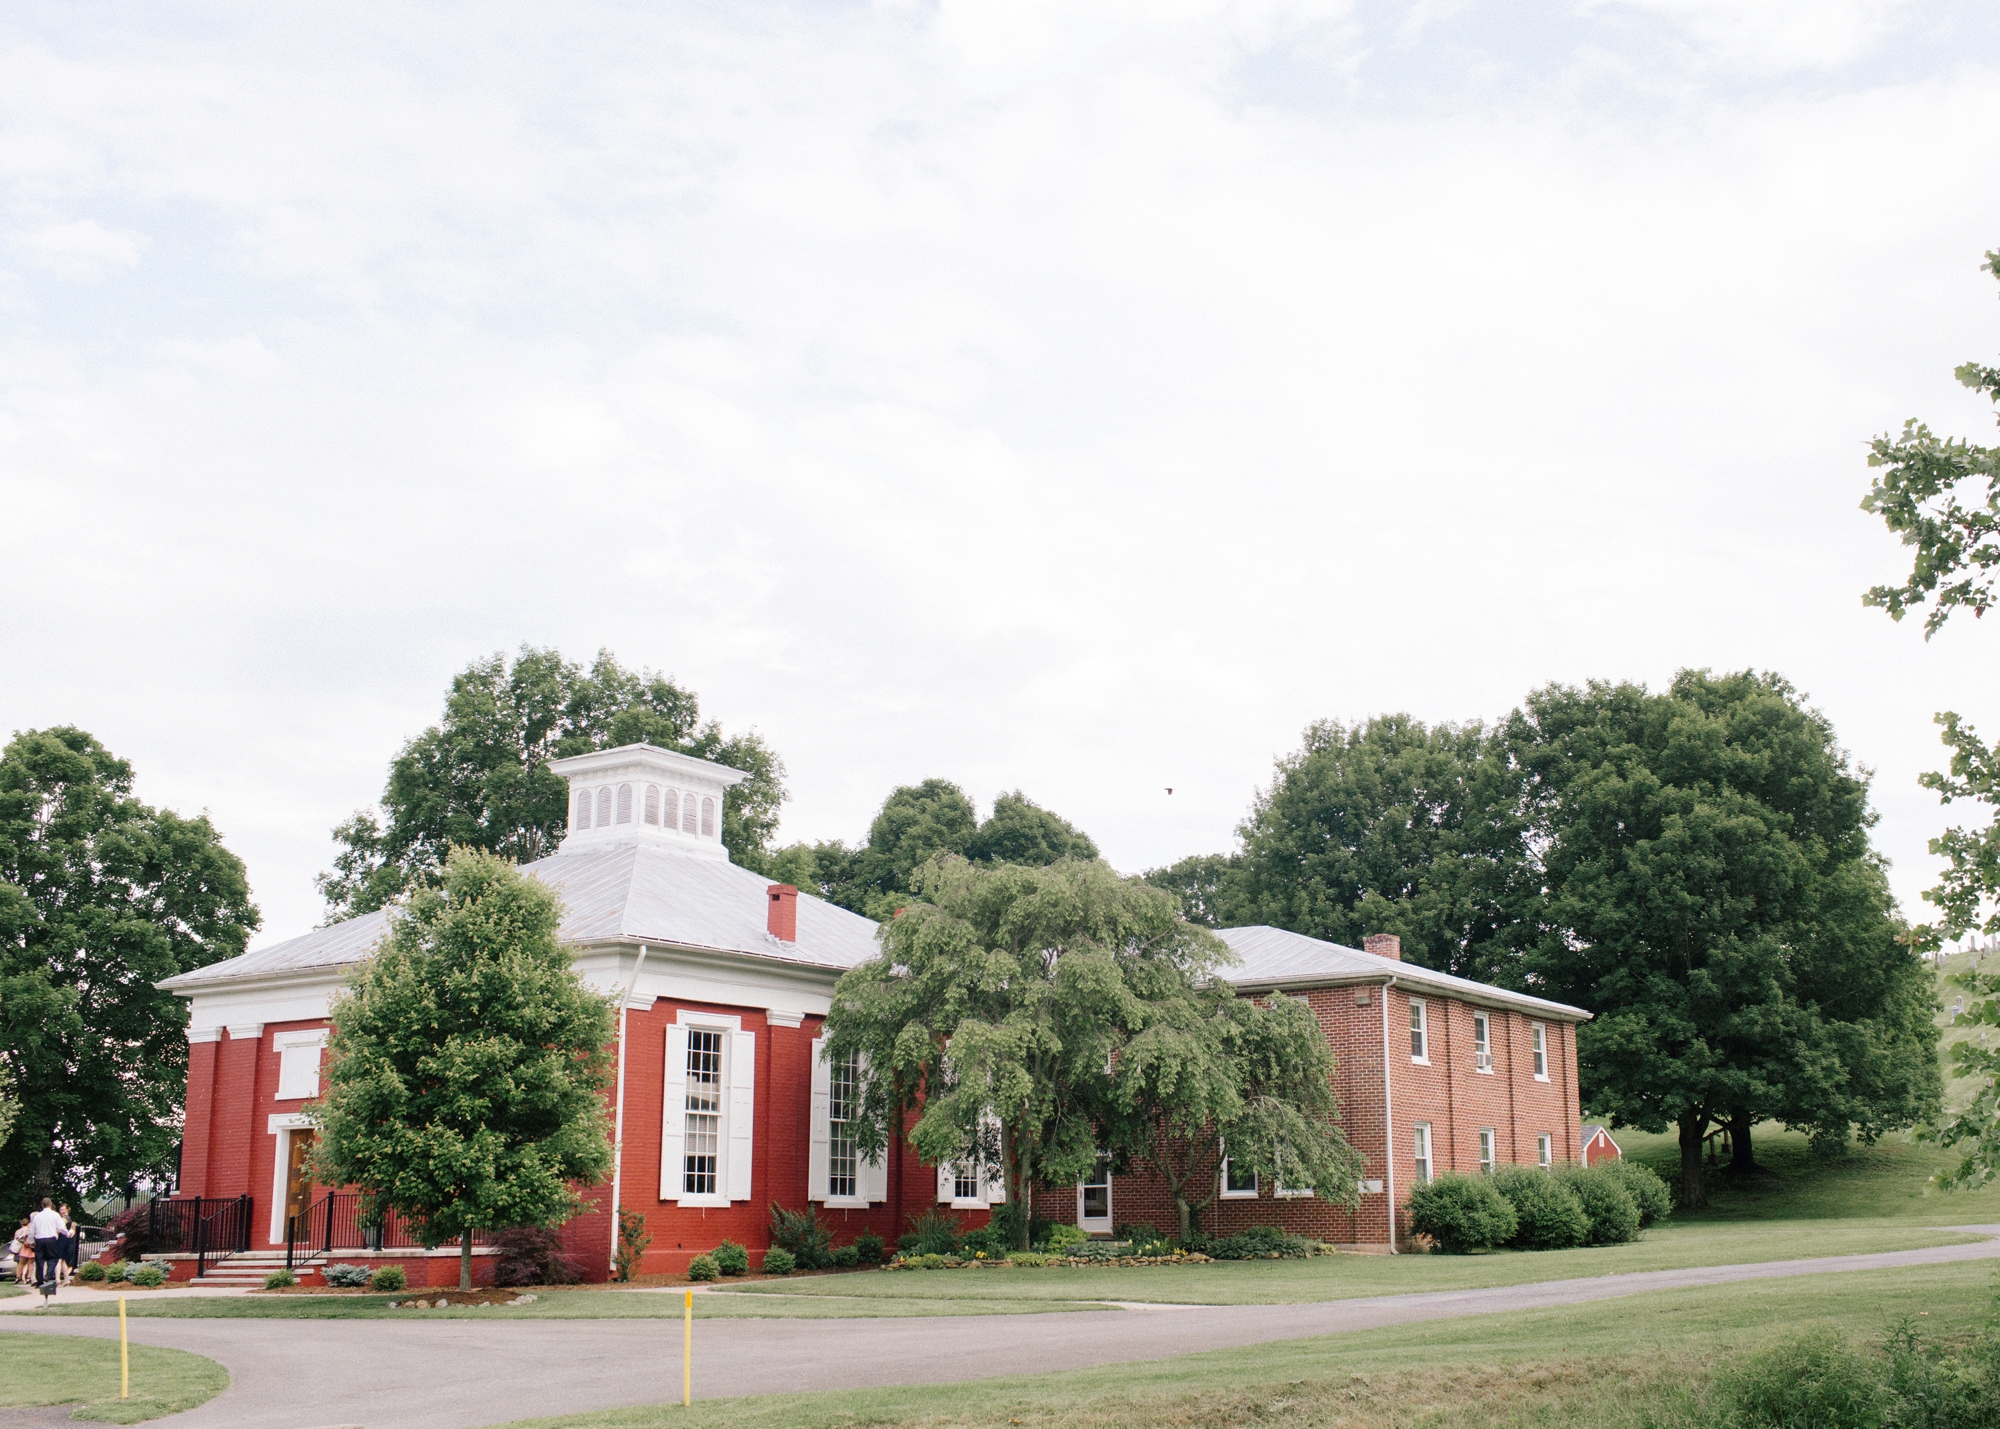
point(687, 1349)
point(124, 1355)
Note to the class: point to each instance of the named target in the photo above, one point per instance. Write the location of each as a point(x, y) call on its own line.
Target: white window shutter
point(742, 1111)
point(875, 1179)
point(946, 1176)
point(819, 1129)
point(673, 1116)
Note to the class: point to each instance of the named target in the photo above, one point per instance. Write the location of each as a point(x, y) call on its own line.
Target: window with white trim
point(1538, 1039)
point(1545, 1151)
point(965, 1183)
point(1486, 1151)
point(1420, 1042)
point(1093, 1195)
point(653, 804)
point(604, 807)
point(298, 1063)
point(708, 818)
point(843, 1158)
point(1238, 1185)
point(670, 810)
point(1482, 1043)
point(1420, 1147)
point(582, 817)
point(624, 803)
point(702, 1154)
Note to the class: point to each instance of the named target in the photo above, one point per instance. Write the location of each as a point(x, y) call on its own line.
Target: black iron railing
point(338, 1221)
point(200, 1226)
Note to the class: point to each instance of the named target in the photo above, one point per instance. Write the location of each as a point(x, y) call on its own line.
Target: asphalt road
point(459, 1374)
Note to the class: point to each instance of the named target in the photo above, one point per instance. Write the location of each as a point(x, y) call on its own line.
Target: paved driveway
point(458, 1374)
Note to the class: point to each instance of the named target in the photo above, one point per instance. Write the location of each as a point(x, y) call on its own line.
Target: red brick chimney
point(1382, 945)
point(784, 912)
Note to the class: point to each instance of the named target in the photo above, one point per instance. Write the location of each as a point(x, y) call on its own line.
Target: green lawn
point(61, 1369)
point(1616, 1362)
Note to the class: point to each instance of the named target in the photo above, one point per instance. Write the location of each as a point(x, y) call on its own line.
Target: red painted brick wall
point(196, 1124)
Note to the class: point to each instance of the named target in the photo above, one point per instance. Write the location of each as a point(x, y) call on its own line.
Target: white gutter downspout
point(1388, 1120)
point(618, 1130)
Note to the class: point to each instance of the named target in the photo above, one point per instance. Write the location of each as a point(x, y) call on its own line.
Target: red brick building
point(722, 1103)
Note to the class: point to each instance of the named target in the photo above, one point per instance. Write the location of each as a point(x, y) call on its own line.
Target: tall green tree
point(1199, 881)
point(479, 778)
point(1002, 998)
point(468, 1063)
point(1941, 495)
point(101, 897)
point(919, 822)
point(1390, 826)
point(1712, 896)
point(1213, 1075)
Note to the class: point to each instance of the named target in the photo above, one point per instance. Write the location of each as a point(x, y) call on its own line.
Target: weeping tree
point(468, 1064)
point(1000, 1002)
point(1212, 1075)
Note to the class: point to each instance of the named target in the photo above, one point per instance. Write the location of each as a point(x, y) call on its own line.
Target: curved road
point(458, 1374)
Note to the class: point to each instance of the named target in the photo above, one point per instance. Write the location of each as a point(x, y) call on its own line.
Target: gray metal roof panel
point(611, 893)
point(1276, 955)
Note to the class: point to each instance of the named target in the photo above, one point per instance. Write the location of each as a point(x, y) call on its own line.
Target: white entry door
point(1093, 1197)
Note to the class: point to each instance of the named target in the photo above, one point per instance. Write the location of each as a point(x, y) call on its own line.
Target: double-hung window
point(1486, 1151)
point(1544, 1151)
point(1238, 1183)
point(843, 1160)
point(1421, 1146)
point(1538, 1038)
point(701, 1158)
point(1419, 1031)
point(1482, 1043)
point(965, 1183)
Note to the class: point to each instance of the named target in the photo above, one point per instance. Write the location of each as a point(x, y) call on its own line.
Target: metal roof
point(612, 893)
point(1272, 956)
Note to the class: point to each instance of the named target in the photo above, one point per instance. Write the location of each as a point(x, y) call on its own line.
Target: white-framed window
point(298, 1063)
point(1482, 1043)
point(1420, 1146)
point(1545, 1151)
point(653, 804)
point(1093, 1196)
point(837, 1174)
point(1486, 1151)
point(965, 1183)
point(708, 818)
point(1288, 1193)
point(604, 807)
point(707, 1110)
point(1237, 1185)
point(581, 819)
point(843, 1177)
point(976, 1184)
point(1538, 1040)
point(1420, 1041)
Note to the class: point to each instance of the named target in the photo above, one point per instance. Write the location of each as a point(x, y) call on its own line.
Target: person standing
point(66, 1261)
point(24, 1252)
point(47, 1228)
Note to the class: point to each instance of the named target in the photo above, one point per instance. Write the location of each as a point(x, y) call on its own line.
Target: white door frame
point(282, 1126)
point(1110, 1212)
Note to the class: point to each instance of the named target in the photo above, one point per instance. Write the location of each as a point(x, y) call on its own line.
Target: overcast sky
point(1079, 398)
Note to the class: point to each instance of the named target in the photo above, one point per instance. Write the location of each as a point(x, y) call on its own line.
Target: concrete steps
point(248, 1268)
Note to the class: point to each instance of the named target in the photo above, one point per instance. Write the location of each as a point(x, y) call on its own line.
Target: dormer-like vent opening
point(639, 792)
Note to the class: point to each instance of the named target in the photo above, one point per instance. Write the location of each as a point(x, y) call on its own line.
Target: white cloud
point(81, 250)
point(991, 391)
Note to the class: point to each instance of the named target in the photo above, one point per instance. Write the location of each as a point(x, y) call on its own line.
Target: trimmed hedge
point(1646, 1189)
point(703, 1267)
point(732, 1259)
point(1462, 1213)
point(1547, 1214)
point(1613, 1214)
point(779, 1261)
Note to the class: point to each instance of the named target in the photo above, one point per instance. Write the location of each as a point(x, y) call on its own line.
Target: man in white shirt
point(47, 1229)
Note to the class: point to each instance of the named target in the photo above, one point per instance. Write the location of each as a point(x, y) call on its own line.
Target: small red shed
point(1598, 1145)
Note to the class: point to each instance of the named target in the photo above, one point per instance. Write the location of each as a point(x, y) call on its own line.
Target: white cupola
point(640, 793)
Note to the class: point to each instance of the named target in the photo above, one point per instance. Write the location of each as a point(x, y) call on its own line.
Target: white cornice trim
point(204, 1034)
point(783, 1017)
point(287, 1121)
point(244, 1031)
point(1499, 999)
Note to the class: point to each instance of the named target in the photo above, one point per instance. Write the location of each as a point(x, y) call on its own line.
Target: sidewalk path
point(459, 1374)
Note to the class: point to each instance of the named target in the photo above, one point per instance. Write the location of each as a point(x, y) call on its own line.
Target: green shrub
point(1613, 1214)
point(984, 1238)
point(632, 1242)
point(276, 1280)
point(1030, 1258)
point(389, 1277)
point(932, 1233)
point(117, 1270)
point(1061, 1238)
point(846, 1257)
point(732, 1259)
point(1812, 1381)
point(936, 1262)
point(152, 1276)
point(1547, 1214)
point(90, 1272)
point(703, 1267)
point(1461, 1213)
point(801, 1233)
point(868, 1246)
point(1646, 1189)
point(1262, 1243)
point(1139, 1233)
point(779, 1261)
point(347, 1277)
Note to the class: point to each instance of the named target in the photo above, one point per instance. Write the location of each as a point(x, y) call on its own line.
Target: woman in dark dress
point(67, 1251)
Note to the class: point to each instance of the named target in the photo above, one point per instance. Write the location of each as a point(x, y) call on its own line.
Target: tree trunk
point(465, 1261)
point(1742, 1160)
point(1694, 1190)
point(1186, 1213)
point(44, 1174)
point(1023, 1194)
